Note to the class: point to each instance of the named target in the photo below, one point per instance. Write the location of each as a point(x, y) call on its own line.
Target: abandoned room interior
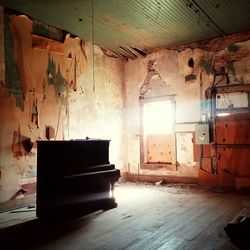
point(136, 113)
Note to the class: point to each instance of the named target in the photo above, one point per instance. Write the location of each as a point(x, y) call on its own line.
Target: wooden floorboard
point(147, 217)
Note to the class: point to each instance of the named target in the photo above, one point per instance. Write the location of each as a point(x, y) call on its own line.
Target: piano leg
point(112, 189)
point(111, 203)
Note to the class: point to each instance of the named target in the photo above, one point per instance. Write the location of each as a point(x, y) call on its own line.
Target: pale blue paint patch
point(12, 78)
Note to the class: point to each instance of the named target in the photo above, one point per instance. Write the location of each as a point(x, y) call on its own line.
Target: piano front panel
point(73, 172)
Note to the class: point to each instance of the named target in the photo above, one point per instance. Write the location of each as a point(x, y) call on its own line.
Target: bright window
point(158, 117)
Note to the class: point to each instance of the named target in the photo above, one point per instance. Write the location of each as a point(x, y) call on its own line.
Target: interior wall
point(2, 71)
point(187, 84)
point(171, 67)
point(45, 83)
point(50, 84)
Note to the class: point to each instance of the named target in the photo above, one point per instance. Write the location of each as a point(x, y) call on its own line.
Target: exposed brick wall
point(146, 86)
point(229, 57)
point(216, 44)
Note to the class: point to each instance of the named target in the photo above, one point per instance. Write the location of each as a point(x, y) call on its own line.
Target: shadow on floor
point(38, 232)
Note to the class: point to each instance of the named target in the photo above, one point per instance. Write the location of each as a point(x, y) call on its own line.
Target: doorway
point(158, 131)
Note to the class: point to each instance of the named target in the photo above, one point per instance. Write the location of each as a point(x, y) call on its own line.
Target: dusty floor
point(147, 217)
point(17, 216)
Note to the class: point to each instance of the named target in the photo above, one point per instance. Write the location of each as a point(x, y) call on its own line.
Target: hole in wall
point(191, 62)
point(70, 55)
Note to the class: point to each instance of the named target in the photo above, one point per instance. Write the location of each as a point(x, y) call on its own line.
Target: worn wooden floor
point(147, 217)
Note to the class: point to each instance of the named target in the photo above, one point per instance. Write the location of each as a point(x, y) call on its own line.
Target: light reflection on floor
point(123, 193)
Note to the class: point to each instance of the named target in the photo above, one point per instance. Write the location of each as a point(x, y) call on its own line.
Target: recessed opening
point(157, 117)
point(191, 62)
point(158, 132)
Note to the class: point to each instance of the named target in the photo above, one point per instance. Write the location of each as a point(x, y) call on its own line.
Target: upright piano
point(74, 174)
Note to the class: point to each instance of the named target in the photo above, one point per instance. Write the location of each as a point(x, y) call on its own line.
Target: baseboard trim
point(166, 178)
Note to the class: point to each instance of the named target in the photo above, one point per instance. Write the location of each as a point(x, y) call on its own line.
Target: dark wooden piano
point(74, 175)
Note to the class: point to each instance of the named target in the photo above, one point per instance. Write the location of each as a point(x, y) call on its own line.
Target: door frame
point(142, 101)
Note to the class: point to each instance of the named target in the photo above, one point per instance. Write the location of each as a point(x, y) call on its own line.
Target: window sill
point(158, 166)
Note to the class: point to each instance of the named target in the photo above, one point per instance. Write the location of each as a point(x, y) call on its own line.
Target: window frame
point(143, 101)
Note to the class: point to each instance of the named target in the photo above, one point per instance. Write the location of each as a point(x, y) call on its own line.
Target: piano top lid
point(77, 140)
point(89, 139)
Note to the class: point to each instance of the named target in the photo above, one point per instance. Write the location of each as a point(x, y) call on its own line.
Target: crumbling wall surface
point(2, 66)
point(98, 99)
point(172, 67)
point(52, 96)
point(187, 73)
point(8, 124)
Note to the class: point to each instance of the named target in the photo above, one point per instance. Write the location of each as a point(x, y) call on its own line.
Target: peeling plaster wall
point(58, 92)
point(2, 65)
point(100, 104)
point(172, 68)
point(190, 99)
point(9, 175)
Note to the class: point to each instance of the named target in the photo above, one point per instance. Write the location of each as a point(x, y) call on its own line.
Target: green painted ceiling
point(124, 27)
